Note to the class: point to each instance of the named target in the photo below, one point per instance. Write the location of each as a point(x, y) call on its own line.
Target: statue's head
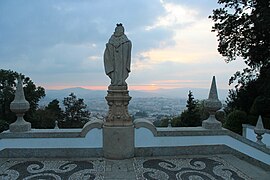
point(119, 30)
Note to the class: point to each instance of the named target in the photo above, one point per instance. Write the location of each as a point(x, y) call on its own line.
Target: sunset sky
point(60, 44)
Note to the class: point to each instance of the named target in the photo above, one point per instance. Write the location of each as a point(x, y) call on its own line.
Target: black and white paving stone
point(186, 168)
point(51, 170)
point(212, 168)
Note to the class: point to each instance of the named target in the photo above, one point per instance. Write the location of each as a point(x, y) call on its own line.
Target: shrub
point(235, 120)
point(3, 125)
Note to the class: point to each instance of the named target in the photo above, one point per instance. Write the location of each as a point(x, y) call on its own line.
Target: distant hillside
point(79, 92)
point(199, 93)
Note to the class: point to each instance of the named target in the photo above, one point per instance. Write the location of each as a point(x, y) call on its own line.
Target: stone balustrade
point(146, 139)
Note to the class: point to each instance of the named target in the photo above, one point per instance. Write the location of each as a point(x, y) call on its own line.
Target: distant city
point(153, 105)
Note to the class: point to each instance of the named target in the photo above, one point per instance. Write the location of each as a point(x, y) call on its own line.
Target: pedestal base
point(118, 100)
point(211, 123)
point(20, 126)
point(118, 142)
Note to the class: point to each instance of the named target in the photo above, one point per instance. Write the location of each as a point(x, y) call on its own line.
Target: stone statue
point(117, 57)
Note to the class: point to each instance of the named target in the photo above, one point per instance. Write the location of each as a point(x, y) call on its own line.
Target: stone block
point(211, 123)
point(118, 142)
point(20, 125)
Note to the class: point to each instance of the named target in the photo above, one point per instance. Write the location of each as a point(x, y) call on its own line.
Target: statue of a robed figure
point(117, 57)
point(118, 129)
point(117, 60)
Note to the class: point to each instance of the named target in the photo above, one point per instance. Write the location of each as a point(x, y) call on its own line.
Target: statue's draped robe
point(117, 58)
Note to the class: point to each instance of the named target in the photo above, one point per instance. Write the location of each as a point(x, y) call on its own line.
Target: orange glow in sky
point(149, 87)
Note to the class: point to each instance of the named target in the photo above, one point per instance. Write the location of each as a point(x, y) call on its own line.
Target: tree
point(54, 108)
point(243, 31)
point(47, 116)
point(191, 116)
point(75, 115)
point(235, 120)
point(7, 92)
point(191, 103)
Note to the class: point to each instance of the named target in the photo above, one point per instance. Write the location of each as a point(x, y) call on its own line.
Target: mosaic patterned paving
point(52, 170)
point(201, 168)
point(212, 168)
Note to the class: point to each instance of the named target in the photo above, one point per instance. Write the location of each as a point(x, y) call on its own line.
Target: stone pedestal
point(118, 100)
point(118, 129)
point(118, 142)
point(211, 123)
point(20, 125)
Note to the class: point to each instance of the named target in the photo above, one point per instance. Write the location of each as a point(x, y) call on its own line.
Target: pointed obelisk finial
point(259, 130)
point(212, 104)
point(19, 106)
point(213, 90)
point(19, 93)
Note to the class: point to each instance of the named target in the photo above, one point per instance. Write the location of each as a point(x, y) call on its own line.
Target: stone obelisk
point(212, 104)
point(118, 129)
point(19, 106)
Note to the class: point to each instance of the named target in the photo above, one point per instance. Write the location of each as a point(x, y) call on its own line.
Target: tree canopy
point(191, 116)
point(75, 114)
point(47, 116)
point(243, 31)
point(7, 92)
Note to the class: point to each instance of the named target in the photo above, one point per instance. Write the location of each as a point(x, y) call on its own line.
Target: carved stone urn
point(19, 106)
point(212, 104)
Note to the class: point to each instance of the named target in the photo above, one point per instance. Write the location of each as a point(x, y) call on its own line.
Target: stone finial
point(56, 125)
point(19, 106)
point(259, 130)
point(213, 90)
point(169, 123)
point(212, 104)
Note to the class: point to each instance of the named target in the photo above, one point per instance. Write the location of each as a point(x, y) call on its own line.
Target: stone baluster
point(169, 123)
point(259, 130)
point(212, 104)
point(56, 125)
point(19, 106)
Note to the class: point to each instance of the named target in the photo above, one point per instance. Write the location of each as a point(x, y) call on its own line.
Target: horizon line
point(133, 88)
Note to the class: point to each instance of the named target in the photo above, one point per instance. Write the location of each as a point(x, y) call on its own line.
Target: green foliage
point(164, 122)
point(243, 30)
point(191, 117)
point(191, 103)
point(235, 120)
point(75, 115)
point(157, 123)
point(176, 121)
point(46, 117)
point(7, 92)
point(220, 116)
point(261, 106)
point(3, 125)
point(242, 98)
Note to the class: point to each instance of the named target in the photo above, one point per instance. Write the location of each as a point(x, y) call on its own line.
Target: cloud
point(175, 15)
point(192, 43)
point(62, 42)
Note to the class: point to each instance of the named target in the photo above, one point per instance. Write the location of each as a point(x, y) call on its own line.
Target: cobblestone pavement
point(210, 167)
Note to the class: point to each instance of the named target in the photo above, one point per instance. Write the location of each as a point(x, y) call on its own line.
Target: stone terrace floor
point(172, 167)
